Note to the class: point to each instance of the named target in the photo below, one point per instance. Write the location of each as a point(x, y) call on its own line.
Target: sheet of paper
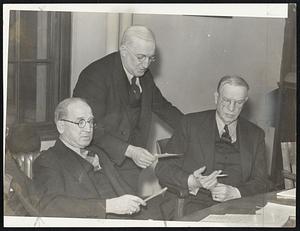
point(271, 215)
point(156, 194)
point(288, 194)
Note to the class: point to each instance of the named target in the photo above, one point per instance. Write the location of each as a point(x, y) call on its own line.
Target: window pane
point(33, 92)
point(12, 35)
point(11, 113)
point(33, 35)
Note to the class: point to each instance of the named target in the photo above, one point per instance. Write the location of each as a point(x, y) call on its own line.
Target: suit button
point(123, 133)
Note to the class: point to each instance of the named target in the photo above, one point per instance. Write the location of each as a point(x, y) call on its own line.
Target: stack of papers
point(287, 194)
point(271, 215)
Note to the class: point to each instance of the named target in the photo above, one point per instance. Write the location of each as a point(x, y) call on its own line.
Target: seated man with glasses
point(224, 154)
point(120, 89)
point(76, 181)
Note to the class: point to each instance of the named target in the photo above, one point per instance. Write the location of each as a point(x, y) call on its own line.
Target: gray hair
point(140, 32)
point(234, 80)
point(61, 110)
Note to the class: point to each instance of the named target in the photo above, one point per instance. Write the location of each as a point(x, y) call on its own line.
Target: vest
point(227, 159)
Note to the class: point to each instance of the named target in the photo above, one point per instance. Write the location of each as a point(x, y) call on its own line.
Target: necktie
point(93, 159)
point(225, 136)
point(135, 88)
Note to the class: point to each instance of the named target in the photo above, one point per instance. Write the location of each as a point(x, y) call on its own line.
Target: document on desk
point(273, 209)
point(287, 194)
point(234, 220)
point(271, 215)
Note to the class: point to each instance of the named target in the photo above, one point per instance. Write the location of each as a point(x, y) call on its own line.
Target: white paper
point(287, 194)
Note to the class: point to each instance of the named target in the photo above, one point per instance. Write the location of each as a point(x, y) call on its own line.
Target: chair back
point(25, 162)
point(288, 150)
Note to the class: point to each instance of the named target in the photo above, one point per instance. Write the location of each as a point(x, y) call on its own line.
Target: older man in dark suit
point(123, 95)
point(77, 182)
point(217, 142)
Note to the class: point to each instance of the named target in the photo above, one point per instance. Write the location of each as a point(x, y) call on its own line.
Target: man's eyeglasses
point(227, 101)
point(82, 123)
point(141, 58)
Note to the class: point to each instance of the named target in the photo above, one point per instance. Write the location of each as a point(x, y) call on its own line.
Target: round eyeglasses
point(141, 58)
point(82, 123)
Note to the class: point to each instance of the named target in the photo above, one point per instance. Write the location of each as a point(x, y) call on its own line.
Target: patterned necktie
point(135, 88)
point(225, 136)
point(93, 159)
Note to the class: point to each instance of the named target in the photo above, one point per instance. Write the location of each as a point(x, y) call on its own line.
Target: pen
point(222, 175)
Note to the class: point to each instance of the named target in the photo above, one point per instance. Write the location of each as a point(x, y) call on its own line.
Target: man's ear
point(216, 94)
point(122, 50)
point(60, 126)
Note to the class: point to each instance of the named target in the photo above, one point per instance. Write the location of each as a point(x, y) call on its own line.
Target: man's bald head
point(137, 32)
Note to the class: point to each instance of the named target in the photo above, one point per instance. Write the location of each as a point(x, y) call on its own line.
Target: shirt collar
point(75, 149)
point(231, 127)
point(130, 76)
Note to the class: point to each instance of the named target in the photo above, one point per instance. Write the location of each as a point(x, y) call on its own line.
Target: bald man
point(120, 89)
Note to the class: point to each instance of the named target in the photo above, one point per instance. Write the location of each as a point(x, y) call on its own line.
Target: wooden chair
point(181, 194)
point(288, 150)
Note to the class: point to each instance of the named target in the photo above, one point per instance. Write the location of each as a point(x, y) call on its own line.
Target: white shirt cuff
point(193, 189)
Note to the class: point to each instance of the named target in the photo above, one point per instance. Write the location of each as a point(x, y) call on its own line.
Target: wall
point(88, 41)
point(193, 53)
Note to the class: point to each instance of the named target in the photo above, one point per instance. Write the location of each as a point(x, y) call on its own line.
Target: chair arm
point(288, 175)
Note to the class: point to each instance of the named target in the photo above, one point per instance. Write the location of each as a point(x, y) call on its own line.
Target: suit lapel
point(245, 148)
point(120, 79)
point(75, 166)
point(118, 184)
point(145, 107)
point(207, 141)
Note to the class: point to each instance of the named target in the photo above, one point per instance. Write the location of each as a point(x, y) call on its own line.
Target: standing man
point(217, 142)
point(122, 94)
point(76, 182)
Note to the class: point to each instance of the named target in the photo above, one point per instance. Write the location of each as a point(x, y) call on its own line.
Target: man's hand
point(223, 192)
point(209, 181)
point(197, 180)
point(140, 156)
point(126, 204)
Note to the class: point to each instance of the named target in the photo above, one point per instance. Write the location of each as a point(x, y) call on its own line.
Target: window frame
point(58, 69)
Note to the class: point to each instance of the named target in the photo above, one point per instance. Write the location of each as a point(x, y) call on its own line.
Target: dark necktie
point(93, 159)
point(225, 136)
point(135, 89)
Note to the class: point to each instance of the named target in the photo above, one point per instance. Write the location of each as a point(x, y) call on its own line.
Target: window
point(38, 67)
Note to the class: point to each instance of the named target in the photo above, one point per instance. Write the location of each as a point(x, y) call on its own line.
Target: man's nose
point(232, 105)
point(146, 63)
point(88, 127)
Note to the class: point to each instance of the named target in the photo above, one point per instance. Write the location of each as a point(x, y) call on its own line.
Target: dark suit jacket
point(195, 138)
point(104, 85)
point(66, 189)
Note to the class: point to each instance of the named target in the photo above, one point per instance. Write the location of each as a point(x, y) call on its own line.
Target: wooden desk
point(246, 205)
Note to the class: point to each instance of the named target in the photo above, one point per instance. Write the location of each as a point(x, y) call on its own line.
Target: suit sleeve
point(52, 201)
point(92, 87)
point(258, 181)
point(169, 171)
point(164, 109)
